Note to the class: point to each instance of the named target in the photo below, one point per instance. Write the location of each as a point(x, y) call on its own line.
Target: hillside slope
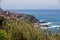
point(13, 15)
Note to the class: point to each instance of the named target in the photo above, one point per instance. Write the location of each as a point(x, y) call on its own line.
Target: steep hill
point(13, 15)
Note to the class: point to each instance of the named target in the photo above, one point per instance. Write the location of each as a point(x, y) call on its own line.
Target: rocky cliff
point(13, 15)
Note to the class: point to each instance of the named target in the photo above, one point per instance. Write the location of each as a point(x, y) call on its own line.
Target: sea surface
point(46, 15)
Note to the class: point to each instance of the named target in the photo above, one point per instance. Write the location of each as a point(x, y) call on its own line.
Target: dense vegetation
point(13, 29)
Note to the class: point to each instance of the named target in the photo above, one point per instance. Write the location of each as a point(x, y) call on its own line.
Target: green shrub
point(3, 35)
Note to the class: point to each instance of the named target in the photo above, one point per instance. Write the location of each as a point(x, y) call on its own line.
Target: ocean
point(46, 15)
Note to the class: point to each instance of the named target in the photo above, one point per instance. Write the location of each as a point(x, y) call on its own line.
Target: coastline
point(47, 15)
point(28, 18)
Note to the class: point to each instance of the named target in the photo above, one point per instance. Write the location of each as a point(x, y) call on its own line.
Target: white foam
point(48, 23)
point(53, 26)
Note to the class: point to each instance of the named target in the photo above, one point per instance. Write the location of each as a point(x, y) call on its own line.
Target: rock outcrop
point(13, 15)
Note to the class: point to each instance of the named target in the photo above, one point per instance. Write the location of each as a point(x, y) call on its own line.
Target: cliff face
point(23, 17)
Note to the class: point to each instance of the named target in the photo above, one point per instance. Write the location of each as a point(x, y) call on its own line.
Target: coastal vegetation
point(13, 29)
point(21, 27)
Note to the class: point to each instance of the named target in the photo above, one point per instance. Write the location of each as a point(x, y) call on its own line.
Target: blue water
point(48, 15)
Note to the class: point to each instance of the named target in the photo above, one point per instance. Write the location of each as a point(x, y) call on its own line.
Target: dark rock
point(31, 18)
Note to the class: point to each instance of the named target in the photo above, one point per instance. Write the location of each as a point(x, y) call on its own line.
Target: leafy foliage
point(3, 35)
point(20, 30)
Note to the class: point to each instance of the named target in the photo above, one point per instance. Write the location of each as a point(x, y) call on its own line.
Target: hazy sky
point(30, 4)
